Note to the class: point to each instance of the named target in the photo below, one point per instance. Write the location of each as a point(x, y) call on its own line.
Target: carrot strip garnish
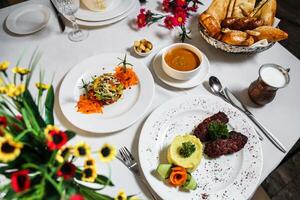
point(127, 77)
point(88, 105)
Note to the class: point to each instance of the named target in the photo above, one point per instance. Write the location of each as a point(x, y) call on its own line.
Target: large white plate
point(134, 103)
point(117, 8)
point(28, 19)
point(231, 177)
point(103, 23)
point(193, 82)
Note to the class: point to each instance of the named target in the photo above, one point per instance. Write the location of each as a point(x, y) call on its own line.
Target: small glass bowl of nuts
point(142, 47)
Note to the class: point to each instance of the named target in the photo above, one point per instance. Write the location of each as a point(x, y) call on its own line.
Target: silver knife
point(243, 108)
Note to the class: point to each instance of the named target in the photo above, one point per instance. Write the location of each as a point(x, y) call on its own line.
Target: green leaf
point(49, 104)
point(70, 134)
point(103, 180)
point(217, 130)
point(92, 195)
point(31, 104)
point(26, 118)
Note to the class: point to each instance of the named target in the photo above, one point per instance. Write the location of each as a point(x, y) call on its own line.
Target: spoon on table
point(217, 89)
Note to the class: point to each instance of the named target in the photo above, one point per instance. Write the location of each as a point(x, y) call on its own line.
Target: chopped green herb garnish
point(217, 130)
point(187, 149)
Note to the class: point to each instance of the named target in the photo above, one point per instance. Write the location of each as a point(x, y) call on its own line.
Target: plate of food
point(199, 147)
point(106, 93)
point(101, 10)
point(241, 26)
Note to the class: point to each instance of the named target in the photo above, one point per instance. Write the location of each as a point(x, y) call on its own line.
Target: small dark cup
point(262, 92)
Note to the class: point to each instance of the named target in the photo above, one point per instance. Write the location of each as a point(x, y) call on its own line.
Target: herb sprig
point(124, 63)
point(187, 149)
point(217, 130)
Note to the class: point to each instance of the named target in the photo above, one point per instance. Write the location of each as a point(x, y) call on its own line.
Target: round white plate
point(103, 23)
point(117, 8)
point(196, 80)
point(233, 177)
point(28, 19)
point(127, 110)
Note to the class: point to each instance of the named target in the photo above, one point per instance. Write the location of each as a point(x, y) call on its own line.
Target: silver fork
point(127, 159)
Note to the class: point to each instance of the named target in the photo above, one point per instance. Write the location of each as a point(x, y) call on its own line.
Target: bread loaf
point(211, 25)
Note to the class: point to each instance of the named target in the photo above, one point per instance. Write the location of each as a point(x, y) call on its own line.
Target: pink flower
point(166, 5)
point(169, 22)
point(181, 3)
point(142, 19)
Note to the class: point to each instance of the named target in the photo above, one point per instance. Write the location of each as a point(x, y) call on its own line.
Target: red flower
point(179, 18)
point(142, 19)
point(3, 124)
point(193, 8)
point(166, 5)
point(67, 170)
point(169, 22)
point(20, 181)
point(56, 139)
point(3, 121)
point(181, 3)
point(76, 197)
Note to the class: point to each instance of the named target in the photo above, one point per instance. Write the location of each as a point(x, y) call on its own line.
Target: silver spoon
point(217, 88)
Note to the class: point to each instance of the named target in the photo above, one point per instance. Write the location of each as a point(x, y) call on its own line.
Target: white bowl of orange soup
point(181, 61)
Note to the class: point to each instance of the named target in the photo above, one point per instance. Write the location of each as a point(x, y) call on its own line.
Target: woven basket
point(231, 48)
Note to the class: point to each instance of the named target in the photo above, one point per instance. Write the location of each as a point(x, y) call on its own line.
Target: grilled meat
point(202, 129)
point(234, 143)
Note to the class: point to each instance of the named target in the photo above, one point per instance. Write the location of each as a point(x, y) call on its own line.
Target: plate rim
point(36, 7)
point(101, 130)
point(162, 106)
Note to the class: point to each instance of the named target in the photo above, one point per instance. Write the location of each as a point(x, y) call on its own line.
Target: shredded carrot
point(88, 105)
point(128, 78)
point(178, 176)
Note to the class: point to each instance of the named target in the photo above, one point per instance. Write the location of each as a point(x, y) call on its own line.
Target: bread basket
point(231, 48)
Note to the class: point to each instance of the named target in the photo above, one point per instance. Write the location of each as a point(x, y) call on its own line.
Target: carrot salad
point(106, 89)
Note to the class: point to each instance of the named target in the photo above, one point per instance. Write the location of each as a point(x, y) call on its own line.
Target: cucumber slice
point(190, 183)
point(164, 170)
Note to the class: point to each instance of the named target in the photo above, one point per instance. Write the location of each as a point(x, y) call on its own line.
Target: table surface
point(235, 71)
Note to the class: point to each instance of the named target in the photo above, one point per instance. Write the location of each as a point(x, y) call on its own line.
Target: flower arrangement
point(34, 155)
point(178, 13)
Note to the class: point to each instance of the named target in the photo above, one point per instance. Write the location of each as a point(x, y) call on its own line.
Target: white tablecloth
point(235, 71)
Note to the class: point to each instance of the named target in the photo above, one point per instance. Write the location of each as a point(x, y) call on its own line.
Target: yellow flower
point(4, 65)
point(20, 70)
point(107, 153)
point(82, 149)
point(63, 154)
point(9, 149)
point(89, 174)
point(3, 90)
point(121, 195)
point(89, 162)
point(42, 86)
point(14, 91)
point(50, 128)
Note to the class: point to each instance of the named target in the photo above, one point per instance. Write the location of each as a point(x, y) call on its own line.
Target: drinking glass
point(69, 8)
point(271, 78)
